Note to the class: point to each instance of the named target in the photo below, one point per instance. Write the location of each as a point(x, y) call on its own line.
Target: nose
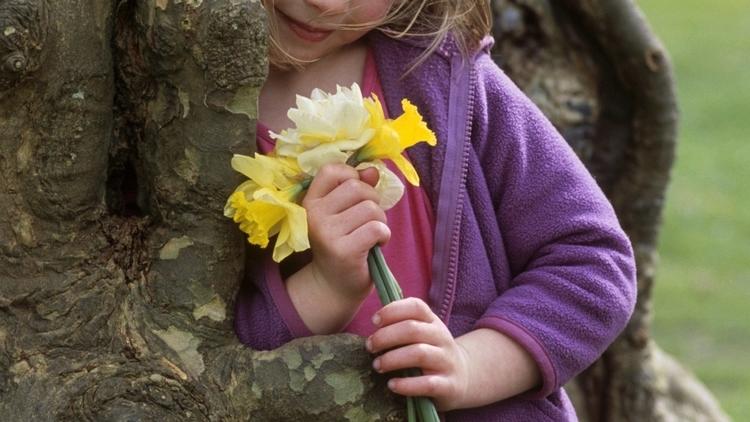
point(329, 7)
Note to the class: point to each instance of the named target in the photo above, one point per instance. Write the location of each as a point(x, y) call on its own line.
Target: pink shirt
point(409, 251)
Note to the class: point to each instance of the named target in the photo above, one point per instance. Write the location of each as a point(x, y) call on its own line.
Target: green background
point(702, 292)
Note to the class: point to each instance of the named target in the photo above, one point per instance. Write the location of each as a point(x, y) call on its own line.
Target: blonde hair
point(467, 20)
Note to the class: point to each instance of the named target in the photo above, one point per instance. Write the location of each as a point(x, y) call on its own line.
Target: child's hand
point(412, 336)
point(344, 222)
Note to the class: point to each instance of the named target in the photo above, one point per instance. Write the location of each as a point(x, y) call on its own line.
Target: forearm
point(324, 310)
point(498, 368)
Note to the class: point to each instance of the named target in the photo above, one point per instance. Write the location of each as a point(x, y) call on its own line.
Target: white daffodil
point(328, 128)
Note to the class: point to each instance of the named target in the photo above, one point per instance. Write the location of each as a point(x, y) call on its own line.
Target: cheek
point(371, 10)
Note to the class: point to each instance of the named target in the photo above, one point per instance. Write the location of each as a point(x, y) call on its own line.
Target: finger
point(424, 385)
point(359, 215)
point(328, 178)
point(370, 176)
point(363, 238)
point(424, 356)
point(346, 195)
point(400, 310)
point(405, 332)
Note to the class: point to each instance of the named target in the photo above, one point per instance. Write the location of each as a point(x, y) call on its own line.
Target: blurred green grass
point(702, 292)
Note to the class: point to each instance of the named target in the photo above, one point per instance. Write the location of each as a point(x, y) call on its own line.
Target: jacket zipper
point(452, 190)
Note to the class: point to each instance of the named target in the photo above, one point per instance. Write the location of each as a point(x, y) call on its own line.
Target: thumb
point(370, 176)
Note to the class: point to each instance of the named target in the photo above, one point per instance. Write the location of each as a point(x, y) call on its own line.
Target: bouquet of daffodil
point(329, 128)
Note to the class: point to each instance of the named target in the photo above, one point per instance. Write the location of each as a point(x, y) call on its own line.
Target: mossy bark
point(118, 270)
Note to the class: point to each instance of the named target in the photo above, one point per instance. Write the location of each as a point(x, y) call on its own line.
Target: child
point(518, 272)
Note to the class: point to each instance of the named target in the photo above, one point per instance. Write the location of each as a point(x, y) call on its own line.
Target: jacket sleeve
point(573, 285)
point(265, 317)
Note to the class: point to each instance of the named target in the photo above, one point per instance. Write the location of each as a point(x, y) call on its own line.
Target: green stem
point(377, 280)
point(417, 408)
point(411, 412)
point(392, 287)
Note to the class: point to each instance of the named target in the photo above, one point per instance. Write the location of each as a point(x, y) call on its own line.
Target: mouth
point(304, 31)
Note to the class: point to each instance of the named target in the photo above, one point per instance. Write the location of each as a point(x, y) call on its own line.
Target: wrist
point(342, 290)
point(464, 358)
point(497, 366)
point(322, 308)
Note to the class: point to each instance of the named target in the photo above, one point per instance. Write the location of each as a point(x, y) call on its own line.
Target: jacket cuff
point(526, 340)
point(282, 300)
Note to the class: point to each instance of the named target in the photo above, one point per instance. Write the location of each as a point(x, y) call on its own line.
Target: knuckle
point(412, 327)
point(420, 306)
point(432, 385)
point(324, 172)
point(374, 229)
point(371, 210)
point(414, 303)
point(328, 169)
point(372, 206)
point(314, 221)
point(421, 352)
point(411, 301)
point(351, 184)
point(383, 230)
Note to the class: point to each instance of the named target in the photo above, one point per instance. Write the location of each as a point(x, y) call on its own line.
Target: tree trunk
point(115, 309)
point(604, 80)
point(118, 270)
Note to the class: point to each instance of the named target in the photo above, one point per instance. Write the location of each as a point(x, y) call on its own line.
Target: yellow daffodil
point(265, 205)
point(392, 137)
point(268, 171)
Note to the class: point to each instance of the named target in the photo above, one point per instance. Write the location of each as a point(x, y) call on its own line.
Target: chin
point(305, 54)
point(282, 61)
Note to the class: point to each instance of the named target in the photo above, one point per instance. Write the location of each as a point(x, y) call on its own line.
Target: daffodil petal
point(298, 239)
point(375, 109)
point(282, 249)
point(312, 160)
point(253, 168)
point(292, 234)
point(406, 168)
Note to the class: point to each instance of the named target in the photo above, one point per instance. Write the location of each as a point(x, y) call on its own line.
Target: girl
point(518, 273)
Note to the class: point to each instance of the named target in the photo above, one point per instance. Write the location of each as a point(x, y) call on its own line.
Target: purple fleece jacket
point(525, 241)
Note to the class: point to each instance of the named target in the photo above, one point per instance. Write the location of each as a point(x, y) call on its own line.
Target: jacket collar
point(448, 48)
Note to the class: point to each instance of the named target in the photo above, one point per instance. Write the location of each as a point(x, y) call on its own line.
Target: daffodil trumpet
point(392, 137)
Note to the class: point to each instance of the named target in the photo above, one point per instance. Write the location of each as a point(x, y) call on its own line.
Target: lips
point(305, 32)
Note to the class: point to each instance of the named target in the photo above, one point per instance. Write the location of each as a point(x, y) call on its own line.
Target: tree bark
point(123, 312)
point(118, 270)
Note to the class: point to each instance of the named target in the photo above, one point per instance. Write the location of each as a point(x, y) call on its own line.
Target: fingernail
point(376, 319)
point(376, 364)
point(368, 344)
point(391, 384)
